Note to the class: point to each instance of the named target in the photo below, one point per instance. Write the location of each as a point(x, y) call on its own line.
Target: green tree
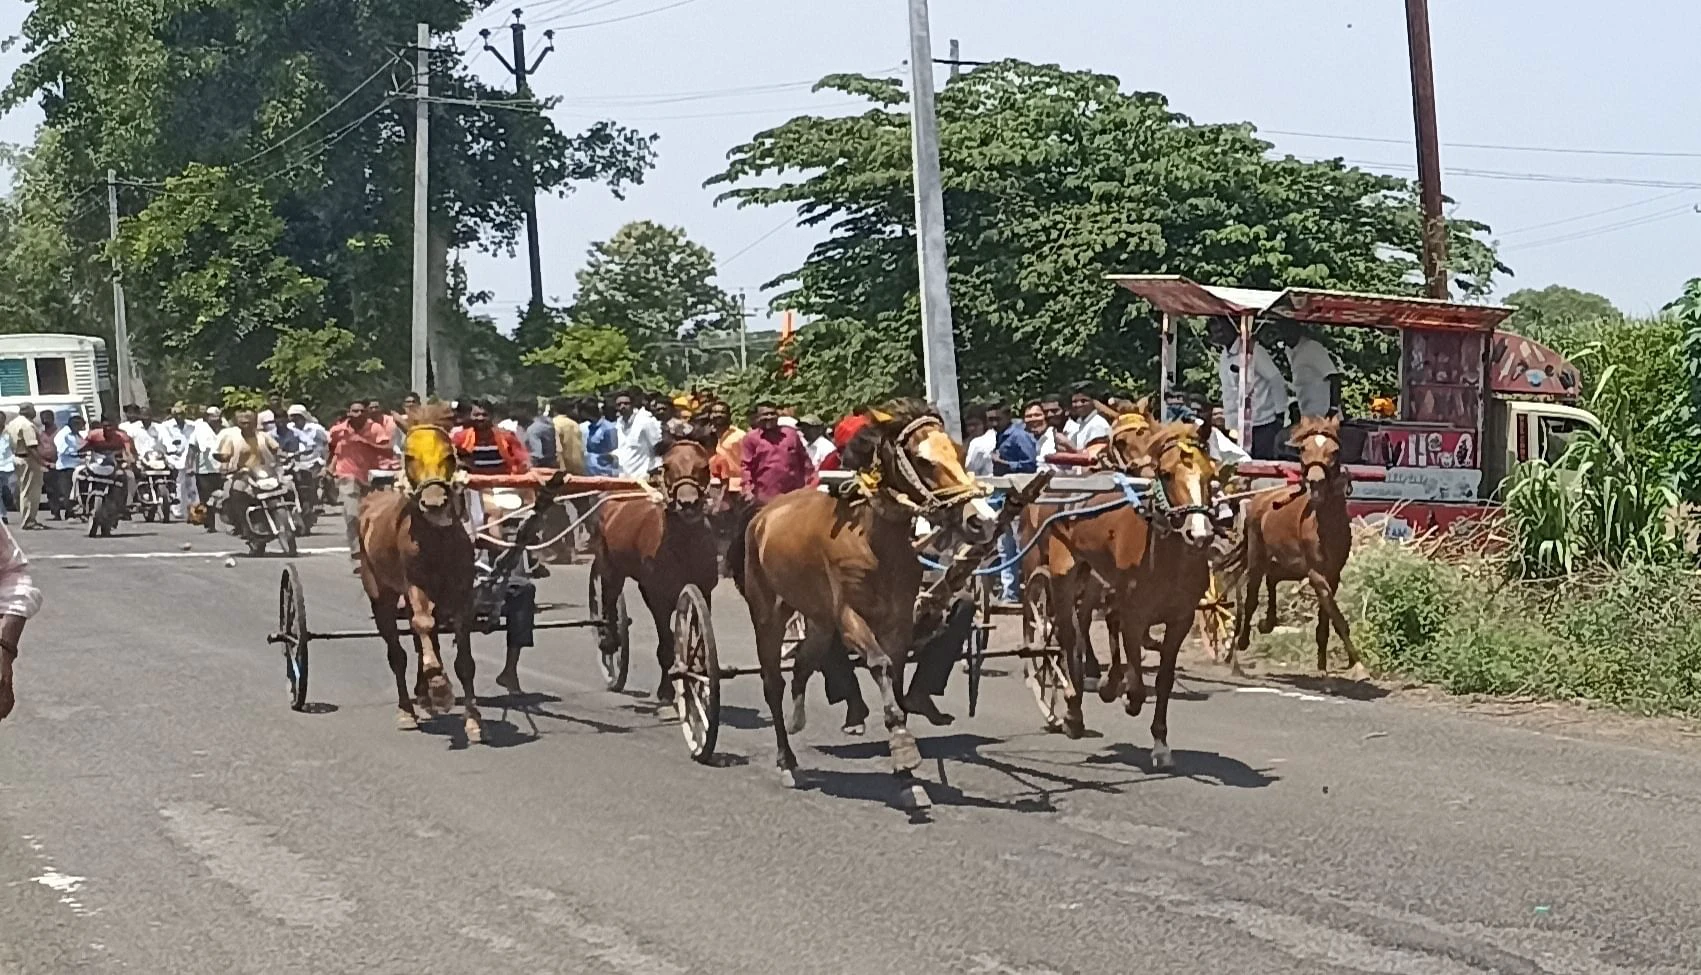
point(656, 287)
point(319, 365)
point(1556, 305)
point(291, 105)
point(591, 358)
point(1054, 179)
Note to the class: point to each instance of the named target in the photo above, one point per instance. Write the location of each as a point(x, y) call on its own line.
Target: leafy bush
point(1628, 638)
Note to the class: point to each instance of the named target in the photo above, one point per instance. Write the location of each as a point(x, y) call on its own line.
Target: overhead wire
point(747, 248)
point(1611, 228)
point(562, 24)
point(1496, 147)
point(1592, 213)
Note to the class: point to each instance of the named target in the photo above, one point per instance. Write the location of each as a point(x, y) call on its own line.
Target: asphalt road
point(161, 810)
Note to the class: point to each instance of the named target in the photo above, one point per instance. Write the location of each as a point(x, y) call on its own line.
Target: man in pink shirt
point(359, 446)
point(776, 460)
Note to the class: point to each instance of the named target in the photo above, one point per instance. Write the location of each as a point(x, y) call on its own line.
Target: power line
point(700, 115)
point(1523, 176)
point(1498, 147)
point(747, 248)
point(1611, 228)
point(1593, 213)
point(616, 20)
point(668, 98)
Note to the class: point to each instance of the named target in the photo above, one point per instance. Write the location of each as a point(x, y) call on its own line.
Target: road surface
point(161, 810)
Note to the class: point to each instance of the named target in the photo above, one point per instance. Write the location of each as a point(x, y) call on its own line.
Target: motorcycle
point(305, 471)
point(156, 487)
point(273, 512)
point(98, 487)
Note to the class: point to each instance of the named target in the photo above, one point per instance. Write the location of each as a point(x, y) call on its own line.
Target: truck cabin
point(1471, 402)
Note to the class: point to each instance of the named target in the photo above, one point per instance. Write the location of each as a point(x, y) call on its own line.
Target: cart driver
point(1316, 376)
point(1269, 390)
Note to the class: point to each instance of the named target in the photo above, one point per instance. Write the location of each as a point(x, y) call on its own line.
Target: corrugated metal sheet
point(1181, 296)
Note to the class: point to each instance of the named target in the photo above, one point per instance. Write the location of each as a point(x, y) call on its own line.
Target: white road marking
point(1293, 695)
point(277, 881)
point(67, 557)
point(605, 942)
point(66, 886)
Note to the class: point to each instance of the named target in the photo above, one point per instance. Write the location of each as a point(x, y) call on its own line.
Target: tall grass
point(1603, 502)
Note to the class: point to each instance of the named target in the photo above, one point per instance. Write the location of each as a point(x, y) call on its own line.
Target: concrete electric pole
point(938, 349)
point(528, 199)
point(418, 374)
point(120, 325)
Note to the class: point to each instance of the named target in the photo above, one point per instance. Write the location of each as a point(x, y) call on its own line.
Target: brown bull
point(847, 564)
point(415, 552)
point(664, 546)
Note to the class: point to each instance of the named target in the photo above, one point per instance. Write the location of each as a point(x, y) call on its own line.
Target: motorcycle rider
point(108, 439)
point(242, 450)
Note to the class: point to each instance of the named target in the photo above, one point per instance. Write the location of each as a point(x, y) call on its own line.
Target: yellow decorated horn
point(880, 416)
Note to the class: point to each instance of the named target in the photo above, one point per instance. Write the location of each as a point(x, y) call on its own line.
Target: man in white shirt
point(8, 475)
point(139, 427)
point(1086, 424)
point(1269, 390)
point(203, 459)
point(1316, 377)
point(980, 443)
point(311, 438)
point(172, 438)
point(814, 436)
point(637, 436)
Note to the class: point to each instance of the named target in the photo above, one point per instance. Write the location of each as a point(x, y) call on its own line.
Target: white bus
point(63, 373)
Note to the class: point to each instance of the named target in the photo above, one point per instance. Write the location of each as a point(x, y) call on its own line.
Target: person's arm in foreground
point(19, 600)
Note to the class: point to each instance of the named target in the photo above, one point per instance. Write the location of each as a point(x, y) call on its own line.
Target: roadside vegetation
point(1588, 590)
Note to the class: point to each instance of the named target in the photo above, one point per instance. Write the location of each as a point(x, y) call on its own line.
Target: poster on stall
point(1447, 449)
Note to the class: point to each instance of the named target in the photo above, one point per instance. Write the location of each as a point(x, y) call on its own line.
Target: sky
point(1563, 127)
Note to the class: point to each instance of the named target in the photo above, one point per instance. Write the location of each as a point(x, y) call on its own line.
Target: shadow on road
point(1210, 767)
point(1357, 690)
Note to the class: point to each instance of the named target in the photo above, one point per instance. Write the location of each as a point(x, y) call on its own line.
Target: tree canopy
point(1557, 305)
point(266, 161)
point(1053, 179)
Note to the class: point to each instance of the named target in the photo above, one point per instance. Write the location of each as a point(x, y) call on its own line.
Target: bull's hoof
point(1358, 673)
point(788, 778)
point(1162, 759)
point(664, 691)
point(1074, 726)
point(509, 681)
point(922, 704)
point(1266, 626)
point(912, 796)
point(442, 695)
point(1110, 690)
point(407, 721)
point(905, 755)
point(1133, 705)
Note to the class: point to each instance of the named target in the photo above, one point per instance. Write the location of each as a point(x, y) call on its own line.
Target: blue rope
point(1131, 498)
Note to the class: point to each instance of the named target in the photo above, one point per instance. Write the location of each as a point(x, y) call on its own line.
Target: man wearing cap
point(203, 459)
point(173, 441)
point(26, 446)
point(312, 441)
point(814, 437)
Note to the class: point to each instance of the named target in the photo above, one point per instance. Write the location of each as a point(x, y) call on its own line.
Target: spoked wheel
point(1044, 668)
point(697, 686)
point(616, 662)
point(1216, 618)
point(292, 633)
point(796, 629)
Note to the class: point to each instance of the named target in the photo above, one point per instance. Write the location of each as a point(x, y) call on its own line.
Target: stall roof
point(1180, 296)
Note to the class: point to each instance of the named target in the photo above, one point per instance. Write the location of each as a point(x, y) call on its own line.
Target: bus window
point(14, 378)
point(1557, 434)
point(51, 377)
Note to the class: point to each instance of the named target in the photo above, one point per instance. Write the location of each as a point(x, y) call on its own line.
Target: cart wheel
point(616, 663)
point(292, 633)
point(1215, 619)
point(1043, 667)
point(697, 685)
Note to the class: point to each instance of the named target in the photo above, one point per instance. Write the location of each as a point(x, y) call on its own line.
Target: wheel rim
point(1042, 670)
point(696, 696)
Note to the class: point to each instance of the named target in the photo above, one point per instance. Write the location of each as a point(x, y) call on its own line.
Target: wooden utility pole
point(938, 348)
point(1428, 149)
point(956, 58)
point(528, 194)
point(120, 326)
point(418, 371)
